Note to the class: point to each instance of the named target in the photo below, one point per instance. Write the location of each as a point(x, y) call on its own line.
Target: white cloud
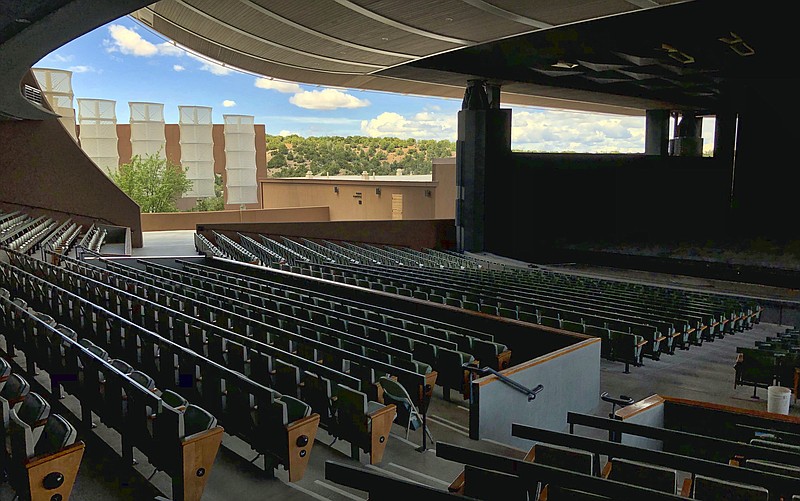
point(422, 125)
point(213, 67)
point(178, 67)
point(169, 49)
point(127, 41)
point(327, 99)
point(61, 58)
point(82, 69)
point(554, 131)
point(228, 103)
point(284, 87)
point(285, 133)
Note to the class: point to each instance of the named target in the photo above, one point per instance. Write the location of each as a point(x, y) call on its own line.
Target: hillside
point(294, 156)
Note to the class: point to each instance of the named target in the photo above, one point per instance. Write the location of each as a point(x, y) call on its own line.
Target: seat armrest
point(457, 485)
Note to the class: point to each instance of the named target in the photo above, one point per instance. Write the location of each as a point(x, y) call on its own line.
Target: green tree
point(277, 160)
point(152, 182)
point(217, 202)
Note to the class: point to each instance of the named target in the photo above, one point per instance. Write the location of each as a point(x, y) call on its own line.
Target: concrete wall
point(571, 379)
point(438, 233)
point(356, 200)
point(444, 175)
point(189, 220)
point(43, 171)
point(648, 412)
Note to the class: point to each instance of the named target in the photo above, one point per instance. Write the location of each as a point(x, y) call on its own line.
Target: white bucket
point(778, 399)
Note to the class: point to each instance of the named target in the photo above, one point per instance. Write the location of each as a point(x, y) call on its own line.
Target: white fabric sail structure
point(197, 149)
point(98, 132)
point(56, 86)
point(240, 159)
point(147, 129)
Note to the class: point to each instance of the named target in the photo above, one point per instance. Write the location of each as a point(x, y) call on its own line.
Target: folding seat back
point(287, 378)
point(14, 391)
point(644, 475)
point(261, 368)
point(121, 365)
point(33, 410)
point(437, 333)
point(337, 324)
point(566, 458)
point(143, 380)
point(196, 420)
point(773, 467)
point(294, 409)
point(480, 483)
point(547, 321)
point(462, 340)
point(57, 434)
point(356, 329)
point(572, 326)
point(449, 366)
point(487, 352)
point(393, 321)
point(508, 313)
point(174, 400)
point(471, 305)
point(425, 352)
point(317, 392)
point(413, 366)
point(401, 342)
point(489, 309)
point(707, 488)
point(353, 347)
point(352, 423)
point(414, 327)
point(5, 372)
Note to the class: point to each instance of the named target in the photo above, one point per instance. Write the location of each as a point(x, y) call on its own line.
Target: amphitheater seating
point(34, 442)
point(249, 410)
point(667, 320)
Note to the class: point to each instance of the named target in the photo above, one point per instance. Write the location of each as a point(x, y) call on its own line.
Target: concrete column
point(688, 140)
point(656, 128)
point(483, 154)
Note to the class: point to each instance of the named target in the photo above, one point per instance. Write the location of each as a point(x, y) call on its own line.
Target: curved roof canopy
point(379, 44)
point(613, 56)
point(618, 56)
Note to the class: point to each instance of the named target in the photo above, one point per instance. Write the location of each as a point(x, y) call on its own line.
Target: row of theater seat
point(257, 335)
point(566, 466)
point(630, 329)
point(442, 349)
point(775, 360)
point(355, 423)
point(159, 422)
point(30, 433)
point(626, 337)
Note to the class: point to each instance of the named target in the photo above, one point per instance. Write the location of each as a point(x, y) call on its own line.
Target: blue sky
point(125, 61)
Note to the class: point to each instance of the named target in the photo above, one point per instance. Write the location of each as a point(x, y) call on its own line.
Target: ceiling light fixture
point(677, 55)
point(738, 45)
point(565, 65)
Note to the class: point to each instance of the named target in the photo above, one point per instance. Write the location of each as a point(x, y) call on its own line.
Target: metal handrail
point(531, 392)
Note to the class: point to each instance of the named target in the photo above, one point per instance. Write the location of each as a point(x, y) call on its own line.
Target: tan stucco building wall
point(368, 199)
